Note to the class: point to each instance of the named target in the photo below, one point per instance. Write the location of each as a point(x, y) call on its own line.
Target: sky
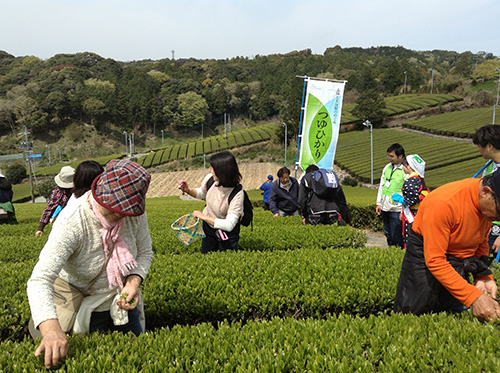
point(128, 30)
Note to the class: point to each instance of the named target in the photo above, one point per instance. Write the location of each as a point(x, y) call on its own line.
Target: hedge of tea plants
point(294, 298)
point(208, 145)
point(456, 123)
point(446, 160)
point(338, 343)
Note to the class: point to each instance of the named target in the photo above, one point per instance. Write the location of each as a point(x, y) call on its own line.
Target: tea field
point(293, 298)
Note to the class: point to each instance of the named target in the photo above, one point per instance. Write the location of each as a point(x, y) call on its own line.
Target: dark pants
point(266, 206)
point(102, 321)
point(325, 219)
point(212, 241)
point(392, 228)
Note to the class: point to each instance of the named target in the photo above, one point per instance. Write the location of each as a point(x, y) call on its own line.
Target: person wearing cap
point(106, 243)
point(414, 190)
point(266, 190)
point(487, 139)
point(58, 197)
point(446, 244)
point(391, 181)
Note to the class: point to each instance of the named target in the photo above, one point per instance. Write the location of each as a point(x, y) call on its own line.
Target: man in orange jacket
point(448, 243)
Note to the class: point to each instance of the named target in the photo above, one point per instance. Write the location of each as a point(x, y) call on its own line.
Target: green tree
point(369, 106)
point(193, 109)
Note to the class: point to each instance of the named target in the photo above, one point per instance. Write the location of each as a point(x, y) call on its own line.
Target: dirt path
point(254, 174)
point(164, 184)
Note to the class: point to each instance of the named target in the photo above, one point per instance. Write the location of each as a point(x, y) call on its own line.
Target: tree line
point(152, 95)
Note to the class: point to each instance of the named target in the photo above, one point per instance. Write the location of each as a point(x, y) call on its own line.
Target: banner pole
point(300, 124)
point(482, 169)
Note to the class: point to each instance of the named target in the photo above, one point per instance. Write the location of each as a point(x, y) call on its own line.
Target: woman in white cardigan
point(111, 223)
point(221, 217)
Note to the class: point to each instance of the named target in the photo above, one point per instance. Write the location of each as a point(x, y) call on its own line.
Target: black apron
point(419, 292)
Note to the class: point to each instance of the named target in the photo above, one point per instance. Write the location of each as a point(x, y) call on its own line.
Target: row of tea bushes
point(343, 343)
point(238, 286)
point(260, 285)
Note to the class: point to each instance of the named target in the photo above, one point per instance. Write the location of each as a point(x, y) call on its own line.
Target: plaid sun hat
point(188, 229)
point(122, 187)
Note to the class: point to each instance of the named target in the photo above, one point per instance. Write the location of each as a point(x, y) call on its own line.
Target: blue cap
point(269, 177)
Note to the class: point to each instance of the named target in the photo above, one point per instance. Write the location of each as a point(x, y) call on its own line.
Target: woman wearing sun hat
point(59, 196)
point(105, 240)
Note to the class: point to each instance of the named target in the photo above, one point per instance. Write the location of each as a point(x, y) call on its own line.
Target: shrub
point(16, 173)
point(350, 181)
point(46, 187)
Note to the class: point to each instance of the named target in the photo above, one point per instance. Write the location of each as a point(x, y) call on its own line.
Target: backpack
point(326, 184)
point(247, 218)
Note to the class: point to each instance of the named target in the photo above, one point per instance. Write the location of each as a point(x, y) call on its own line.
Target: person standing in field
point(221, 216)
point(266, 191)
point(487, 139)
point(59, 196)
point(391, 181)
point(413, 191)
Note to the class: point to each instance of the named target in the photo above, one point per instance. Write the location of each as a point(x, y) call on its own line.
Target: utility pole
point(432, 80)
point(404, 90)
point(26, 146)
point(162, 138)
point(48, 151)
point(498, 92)
point(286, 139)
point(125, 134)
point(368, 124)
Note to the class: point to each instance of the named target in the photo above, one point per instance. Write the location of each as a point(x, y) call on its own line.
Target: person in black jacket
point(317, 210)
point(283, 199)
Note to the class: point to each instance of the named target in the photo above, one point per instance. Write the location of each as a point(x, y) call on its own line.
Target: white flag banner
point(321, 123)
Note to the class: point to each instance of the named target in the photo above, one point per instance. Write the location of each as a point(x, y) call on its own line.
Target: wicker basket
point(188, 229)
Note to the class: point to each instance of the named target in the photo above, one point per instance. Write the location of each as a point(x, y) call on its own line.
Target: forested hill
point(152, 95)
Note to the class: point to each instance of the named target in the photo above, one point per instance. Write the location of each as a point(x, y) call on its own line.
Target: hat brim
point(62, 184)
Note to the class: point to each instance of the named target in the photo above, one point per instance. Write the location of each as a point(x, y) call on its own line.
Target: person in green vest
point(487, 139)
point(392, 180)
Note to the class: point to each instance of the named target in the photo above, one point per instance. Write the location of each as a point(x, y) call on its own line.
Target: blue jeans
point(392, 228)
point(102, 321)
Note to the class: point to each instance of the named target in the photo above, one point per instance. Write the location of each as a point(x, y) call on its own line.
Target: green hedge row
point(239, 286)
point(209, 145)
point(388, 343)
point(353, 154)
point(457, 123)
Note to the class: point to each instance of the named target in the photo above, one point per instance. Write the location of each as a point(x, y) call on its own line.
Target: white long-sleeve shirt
point(74, 252)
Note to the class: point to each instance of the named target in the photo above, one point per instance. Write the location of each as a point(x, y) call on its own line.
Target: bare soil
point(164, 184)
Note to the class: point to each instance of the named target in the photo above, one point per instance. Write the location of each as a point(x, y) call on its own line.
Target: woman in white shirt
point(221, 217)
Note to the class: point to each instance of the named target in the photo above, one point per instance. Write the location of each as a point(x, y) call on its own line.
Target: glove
point(398, 198)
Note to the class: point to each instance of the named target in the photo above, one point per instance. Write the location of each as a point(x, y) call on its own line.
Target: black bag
point(326, 184)
point(247, 217)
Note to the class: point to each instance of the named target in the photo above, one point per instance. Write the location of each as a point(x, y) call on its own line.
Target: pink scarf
point(121, 261)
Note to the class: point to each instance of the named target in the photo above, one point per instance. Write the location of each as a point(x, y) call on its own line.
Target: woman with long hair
point(221, 216)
